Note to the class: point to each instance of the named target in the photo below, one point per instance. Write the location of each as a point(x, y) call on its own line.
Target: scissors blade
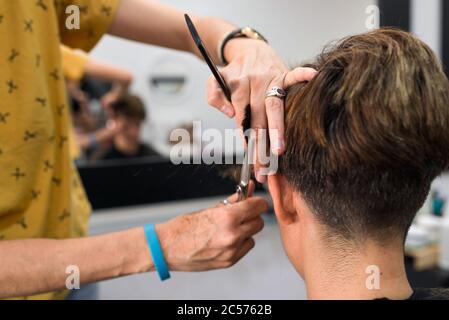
point(245, 173)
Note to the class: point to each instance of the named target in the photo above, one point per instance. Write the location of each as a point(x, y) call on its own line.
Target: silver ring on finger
point(276, 92)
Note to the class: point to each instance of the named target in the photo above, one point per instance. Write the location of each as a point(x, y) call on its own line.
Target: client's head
point(364, 140)
point(129, 113)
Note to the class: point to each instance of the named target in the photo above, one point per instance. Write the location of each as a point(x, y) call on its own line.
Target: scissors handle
point(242, 192)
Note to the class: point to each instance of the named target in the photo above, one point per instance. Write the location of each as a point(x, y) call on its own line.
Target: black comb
point(246, 122)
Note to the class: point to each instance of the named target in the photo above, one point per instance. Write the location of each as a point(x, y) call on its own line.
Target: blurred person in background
point(128, 114)
point(78, 65)
point(83, 76)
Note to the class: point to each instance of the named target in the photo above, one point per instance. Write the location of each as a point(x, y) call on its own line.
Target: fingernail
point(278, 146)
point(227, 110)
point(261, 177)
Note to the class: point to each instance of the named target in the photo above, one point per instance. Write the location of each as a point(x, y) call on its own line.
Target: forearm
point(155, 23)
point(119, 88)
point(104, 136)
point(108, 73)
point(210, 239)
point(27, 268)
point(85, 121)
point(101, 137)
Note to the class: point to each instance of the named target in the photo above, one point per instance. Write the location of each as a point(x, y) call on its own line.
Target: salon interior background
point(172, 85)
point(296, 28)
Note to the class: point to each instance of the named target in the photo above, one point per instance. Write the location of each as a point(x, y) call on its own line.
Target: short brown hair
point(368, 135)
point(129, 106)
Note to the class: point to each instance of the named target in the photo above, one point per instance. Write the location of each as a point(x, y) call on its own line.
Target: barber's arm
point(253, 69)
point(210, 239)
point(119, 77)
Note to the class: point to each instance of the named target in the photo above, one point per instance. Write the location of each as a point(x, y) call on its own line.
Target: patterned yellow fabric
point(74, 63)
point(41, 194)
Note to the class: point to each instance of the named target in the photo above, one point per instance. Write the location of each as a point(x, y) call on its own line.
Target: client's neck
point(352, 273)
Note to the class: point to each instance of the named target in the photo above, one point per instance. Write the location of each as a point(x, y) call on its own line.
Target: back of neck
point(368, 271)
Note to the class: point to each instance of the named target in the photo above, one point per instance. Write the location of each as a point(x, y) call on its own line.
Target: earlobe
point(283, 201)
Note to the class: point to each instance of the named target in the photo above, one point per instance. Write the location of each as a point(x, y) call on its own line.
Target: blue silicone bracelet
point(156, 252)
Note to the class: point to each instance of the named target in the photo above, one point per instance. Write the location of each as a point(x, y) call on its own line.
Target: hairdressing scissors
point(245, 174)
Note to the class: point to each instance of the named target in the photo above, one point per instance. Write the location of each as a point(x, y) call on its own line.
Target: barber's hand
point(109, 99)
point(114, 127)
point(214, 238)
point(254, 68)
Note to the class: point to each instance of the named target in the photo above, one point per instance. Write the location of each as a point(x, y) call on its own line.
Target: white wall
point(296, 28)
point(426, 19)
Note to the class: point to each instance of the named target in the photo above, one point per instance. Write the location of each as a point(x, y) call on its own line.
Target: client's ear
point(283, 199)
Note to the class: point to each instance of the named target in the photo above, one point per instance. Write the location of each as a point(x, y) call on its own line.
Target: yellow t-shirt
point(41, 195)
point(74, 63)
